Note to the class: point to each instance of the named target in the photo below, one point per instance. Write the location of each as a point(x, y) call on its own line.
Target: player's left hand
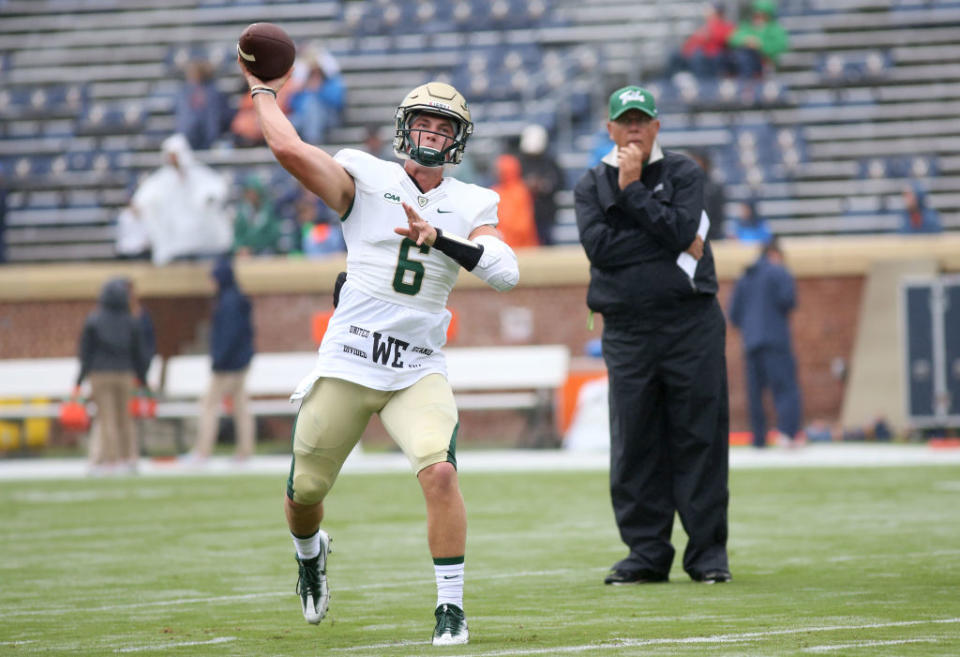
point(417, 229)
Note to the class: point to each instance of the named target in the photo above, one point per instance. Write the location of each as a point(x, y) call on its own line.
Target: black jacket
point(111, 340)
point(633, 237)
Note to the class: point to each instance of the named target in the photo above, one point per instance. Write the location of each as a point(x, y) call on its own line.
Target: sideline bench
point(35, 387)
point(270, 381)
point(521, 378)
point(524, 378)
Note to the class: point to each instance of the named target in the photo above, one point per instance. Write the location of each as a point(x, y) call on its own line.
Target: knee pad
point(309, 488)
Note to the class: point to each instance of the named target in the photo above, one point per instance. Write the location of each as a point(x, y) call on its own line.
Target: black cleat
point(618, 576)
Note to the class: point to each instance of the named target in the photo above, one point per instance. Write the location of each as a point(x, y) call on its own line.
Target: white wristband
point(262, 89)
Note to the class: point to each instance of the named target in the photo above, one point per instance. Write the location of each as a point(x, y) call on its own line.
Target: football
point(266, 50)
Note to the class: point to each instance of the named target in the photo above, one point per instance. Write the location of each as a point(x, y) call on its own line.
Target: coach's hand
point(696, 248)
point(630, 163)
point(417, 228)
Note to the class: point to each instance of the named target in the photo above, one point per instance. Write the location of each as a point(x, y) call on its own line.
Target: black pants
point(669, 437)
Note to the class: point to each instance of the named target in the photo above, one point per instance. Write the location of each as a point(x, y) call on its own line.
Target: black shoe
point(618, 576)
point(714, 577)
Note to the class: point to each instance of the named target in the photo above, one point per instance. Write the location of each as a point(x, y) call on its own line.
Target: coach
point(638, 211)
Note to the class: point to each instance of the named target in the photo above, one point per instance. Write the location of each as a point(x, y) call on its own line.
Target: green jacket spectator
point(760, 41)
point(257, 226)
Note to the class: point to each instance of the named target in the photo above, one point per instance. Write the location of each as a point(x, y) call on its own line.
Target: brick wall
point(824, 326)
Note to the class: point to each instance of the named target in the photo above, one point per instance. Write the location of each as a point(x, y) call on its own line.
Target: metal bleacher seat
point(893, 99)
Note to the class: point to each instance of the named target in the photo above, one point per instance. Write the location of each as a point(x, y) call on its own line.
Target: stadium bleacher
point(866, 99)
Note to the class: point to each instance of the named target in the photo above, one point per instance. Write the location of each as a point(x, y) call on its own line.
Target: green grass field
point(853, 561)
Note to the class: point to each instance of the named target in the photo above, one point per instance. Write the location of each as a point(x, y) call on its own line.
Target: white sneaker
point(451, 628)
point(312, 583)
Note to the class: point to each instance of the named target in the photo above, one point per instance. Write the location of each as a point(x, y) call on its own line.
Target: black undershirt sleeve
point(463, 252)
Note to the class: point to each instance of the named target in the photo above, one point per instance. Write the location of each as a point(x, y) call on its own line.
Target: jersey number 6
point(404, 265)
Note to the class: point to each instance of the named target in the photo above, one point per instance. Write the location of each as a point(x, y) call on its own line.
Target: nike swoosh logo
point(449, 577)
point(439, 211)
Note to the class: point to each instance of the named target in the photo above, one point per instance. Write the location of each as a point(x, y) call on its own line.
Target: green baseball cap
point(630, 98)
point(768, 7)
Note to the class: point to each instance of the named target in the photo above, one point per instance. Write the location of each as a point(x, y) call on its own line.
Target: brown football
point(266, 50)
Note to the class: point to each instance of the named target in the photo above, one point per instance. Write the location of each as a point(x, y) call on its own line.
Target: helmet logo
point(436, 103)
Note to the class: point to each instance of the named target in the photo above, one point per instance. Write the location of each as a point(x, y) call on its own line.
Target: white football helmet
point(433, 98)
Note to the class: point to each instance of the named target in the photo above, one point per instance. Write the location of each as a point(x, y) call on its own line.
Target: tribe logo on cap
point(629, 98)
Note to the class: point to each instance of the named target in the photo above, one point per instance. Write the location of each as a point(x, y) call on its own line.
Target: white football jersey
point(391, 322)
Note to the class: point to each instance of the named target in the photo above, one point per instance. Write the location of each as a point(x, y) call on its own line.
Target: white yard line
point(620, 643)
point(181, 644)
point(866, 644)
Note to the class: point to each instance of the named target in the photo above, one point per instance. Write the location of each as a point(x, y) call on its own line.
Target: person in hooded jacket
point(183, 206)
point(918, 216)
point(544, 178)
point(231, 350)
point(760, 307)
point(111, 357)
point(516, 204)
point(257, 227)
point(757, 43)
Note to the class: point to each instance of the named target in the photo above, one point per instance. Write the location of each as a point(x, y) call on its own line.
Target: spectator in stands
point(543, 177)
point(245, 128)
point(201, 111)
point(316, 105)
point(374, 143)
point(714, 197)
point(918, 217)
point(256, 229)
point(231, 350)
point(183, 206)
point(758, 43)
point(320, 233)
point(705, 52)
point(749, 226)
point(516, 204)
point(111, 355)
point(132, 239)
point(762, 301)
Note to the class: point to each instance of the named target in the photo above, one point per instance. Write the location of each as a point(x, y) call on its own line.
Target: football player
point(408, 229)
